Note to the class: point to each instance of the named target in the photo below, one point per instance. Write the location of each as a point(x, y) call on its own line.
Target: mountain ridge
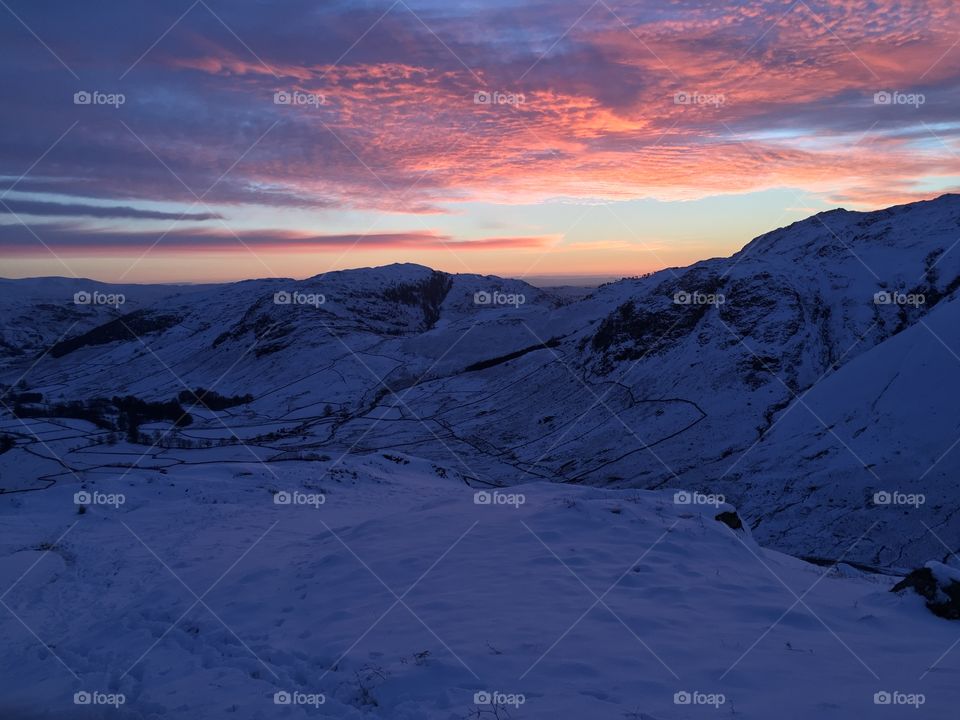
point(672, 379)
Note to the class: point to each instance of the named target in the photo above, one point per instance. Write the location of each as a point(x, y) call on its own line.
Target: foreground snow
point(384, 590)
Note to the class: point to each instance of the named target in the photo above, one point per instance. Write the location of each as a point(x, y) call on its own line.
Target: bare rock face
point(730, 519)
point(938, 585)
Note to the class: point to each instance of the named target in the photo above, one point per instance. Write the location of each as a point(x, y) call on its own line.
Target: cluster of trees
point(125, 414)
point(213, 400)
point(10, 394)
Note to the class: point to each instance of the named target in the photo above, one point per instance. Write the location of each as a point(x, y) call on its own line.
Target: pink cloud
point(64, 239)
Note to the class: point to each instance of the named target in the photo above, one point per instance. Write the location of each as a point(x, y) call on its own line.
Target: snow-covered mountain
point(798, 378)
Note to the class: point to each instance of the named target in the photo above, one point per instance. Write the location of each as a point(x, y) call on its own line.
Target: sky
point(210, 140)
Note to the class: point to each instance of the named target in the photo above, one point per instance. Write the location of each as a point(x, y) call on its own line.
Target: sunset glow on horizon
point(213, 141)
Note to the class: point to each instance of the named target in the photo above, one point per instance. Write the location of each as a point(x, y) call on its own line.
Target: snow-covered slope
point(39, 312)
point(886, 424)
point(400, 596)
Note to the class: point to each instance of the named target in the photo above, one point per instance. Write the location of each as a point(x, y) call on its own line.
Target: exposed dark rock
point(491, 362)
point(125, 328)
point(428, 293)
point(943, 599)
point(730, 519)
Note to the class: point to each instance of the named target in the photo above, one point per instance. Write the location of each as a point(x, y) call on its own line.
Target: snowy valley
point(399, 493)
